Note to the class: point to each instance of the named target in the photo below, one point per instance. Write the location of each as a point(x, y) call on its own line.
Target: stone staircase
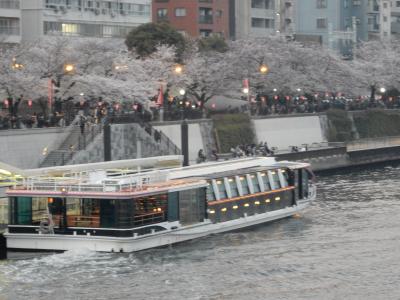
point(74, 142)
point(129, 139)
point(208, 137)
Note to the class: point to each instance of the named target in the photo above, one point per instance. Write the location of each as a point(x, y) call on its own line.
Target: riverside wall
point(23, 148)
point(352, 155)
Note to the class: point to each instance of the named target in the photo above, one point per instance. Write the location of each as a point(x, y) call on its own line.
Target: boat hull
point(59, 242)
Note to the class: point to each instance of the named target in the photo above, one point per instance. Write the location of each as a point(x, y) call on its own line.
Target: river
point(345, 246)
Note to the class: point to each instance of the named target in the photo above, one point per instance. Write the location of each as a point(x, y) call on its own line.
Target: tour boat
point(129, 210)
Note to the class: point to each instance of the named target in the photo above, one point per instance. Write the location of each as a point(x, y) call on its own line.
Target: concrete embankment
point(362, 152)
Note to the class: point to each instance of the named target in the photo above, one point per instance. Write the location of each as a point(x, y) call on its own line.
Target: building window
point(322, 3)
point(262, 23)
point(397, 3)
point(162, 13)
point(385, 19)
point(262, 4)
point(180, 12)
point(205, 32)
point(9, 26)
point(205, 15)
point(356, 2)
point(322, 23)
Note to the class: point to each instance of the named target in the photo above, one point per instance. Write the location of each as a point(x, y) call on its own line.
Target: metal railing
point(77, 184)
point(157, 135)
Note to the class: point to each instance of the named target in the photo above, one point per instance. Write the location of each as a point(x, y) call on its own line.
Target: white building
point(26, 20)
point(384, 18)
point(259, 18)
point(10, 16)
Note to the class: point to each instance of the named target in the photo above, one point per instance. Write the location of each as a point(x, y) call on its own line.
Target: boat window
point(192, 206)
point(3, 211)
point(305, 179)
point(275, 178)
point(107, 213)
point(39, 209)
point(245, 185)
point(210, 192)
point(265, 180)
point(256, 184)
point(221, 189)
point(151, 209)
point(284, 178)
point(233, 186)
point(21, 210)
point(83, 212)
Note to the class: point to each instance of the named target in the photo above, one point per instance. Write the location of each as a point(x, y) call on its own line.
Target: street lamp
point(299, 90)
point(178, 69)
point(246, 90)
point(69, 68)
point(382, 90)
point(264, 69)
point(182, 92)
point(275, 90)
point(15, 65)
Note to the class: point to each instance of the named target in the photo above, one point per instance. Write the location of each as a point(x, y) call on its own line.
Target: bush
point(340, 129)
point(377, 123)
point(232, 130)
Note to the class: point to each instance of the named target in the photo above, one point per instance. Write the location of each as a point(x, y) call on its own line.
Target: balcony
point(9, 4)
point(205, 19)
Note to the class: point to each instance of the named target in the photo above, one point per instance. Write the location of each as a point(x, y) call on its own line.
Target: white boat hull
point(59, 242)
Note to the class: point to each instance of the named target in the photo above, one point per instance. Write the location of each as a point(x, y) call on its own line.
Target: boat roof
point(95, 179)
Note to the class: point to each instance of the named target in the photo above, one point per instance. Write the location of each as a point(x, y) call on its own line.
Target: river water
point(345, 246)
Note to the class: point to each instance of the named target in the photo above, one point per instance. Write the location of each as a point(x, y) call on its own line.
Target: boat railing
point(143, 219)
point(133, 183)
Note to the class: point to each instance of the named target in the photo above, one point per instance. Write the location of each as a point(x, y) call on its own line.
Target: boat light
point(5, 172)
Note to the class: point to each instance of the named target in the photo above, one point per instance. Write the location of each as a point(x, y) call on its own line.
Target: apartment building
point(10, 16)
point(195, 18)
point(259, 18)
point(337, 23)
point(26, 20)
point(383, 19)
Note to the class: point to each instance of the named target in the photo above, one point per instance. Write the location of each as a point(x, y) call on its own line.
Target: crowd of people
point(17, 114)
point(290, 105)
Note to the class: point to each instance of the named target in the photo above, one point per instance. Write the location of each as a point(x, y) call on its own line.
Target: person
point(82, 124)
point(214, 154)
point(201, 157)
